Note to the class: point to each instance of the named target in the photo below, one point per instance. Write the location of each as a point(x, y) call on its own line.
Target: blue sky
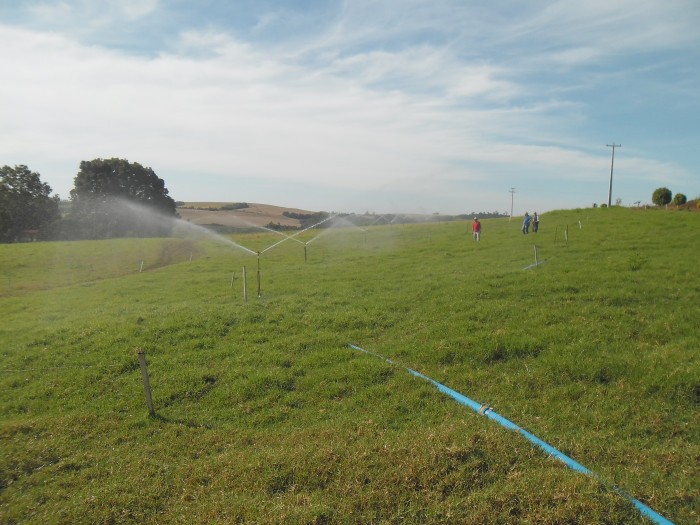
point(353, 106)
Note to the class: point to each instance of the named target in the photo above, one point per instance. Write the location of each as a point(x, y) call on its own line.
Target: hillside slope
point(254, 214)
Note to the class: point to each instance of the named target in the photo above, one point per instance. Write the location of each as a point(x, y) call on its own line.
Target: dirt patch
point(253, 215)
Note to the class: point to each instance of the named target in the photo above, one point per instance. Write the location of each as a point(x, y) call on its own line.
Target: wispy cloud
point(428, 100)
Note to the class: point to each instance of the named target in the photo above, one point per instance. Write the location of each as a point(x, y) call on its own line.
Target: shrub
point(679, 198)
point(661, 196)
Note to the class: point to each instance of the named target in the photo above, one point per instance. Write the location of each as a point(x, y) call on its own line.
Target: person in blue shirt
point(526, 223)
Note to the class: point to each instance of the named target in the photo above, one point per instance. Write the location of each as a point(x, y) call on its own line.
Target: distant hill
point(249, 214)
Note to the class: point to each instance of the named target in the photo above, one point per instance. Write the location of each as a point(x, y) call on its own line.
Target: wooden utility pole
point(612, 161)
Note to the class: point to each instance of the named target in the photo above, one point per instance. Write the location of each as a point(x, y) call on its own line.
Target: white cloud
point(439, 108)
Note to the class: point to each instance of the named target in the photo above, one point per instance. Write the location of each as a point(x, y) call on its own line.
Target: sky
point(384, 106)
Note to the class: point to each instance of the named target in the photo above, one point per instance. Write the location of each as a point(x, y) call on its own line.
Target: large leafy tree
point(661, 196)
point(26, 208)
point(118, 198)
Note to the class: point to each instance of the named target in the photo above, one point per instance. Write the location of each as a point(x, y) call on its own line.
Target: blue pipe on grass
point(486, 410)
point(535, 264)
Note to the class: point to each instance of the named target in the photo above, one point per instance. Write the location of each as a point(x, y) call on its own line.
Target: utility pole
point(612, 161)
point(512, 191)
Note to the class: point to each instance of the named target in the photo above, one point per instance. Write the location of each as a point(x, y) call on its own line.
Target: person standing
point(476, 228)
point(526, 223)
point(535, 223)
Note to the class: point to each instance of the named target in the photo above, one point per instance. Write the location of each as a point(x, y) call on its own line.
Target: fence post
point(245, 286)
point(146, 383)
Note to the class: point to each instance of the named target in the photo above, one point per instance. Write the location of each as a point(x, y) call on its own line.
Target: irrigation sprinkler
point(340, 220)
point(233, 274)
point(273, 245)
point(293, 237)
point(537, 261)
point(141, 267)
point(566, 234)
point(146, 383)
point(259, 294)
point(579, 225)
point(9, 285)
point(305, 257)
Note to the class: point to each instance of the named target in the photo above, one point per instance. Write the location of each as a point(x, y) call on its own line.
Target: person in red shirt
point(476, 228)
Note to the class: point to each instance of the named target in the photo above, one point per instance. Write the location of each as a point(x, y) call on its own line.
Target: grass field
point(264, 414)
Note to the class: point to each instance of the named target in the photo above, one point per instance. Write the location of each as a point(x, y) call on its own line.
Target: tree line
point(109, 199)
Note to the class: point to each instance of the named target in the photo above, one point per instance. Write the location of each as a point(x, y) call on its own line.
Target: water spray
point(486, 410)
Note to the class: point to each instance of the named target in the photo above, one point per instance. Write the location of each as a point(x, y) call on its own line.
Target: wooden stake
point(146, 383)
point(245, 286)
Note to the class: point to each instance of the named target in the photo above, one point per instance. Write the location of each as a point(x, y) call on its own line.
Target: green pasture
point(264, 414)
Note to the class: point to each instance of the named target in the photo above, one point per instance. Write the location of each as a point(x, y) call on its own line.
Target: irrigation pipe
point(486, 410)
point(535, 264)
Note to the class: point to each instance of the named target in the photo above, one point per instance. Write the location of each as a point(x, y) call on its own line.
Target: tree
point(661, 196)
point(679, 198)
point(116, 198)
point(26, 209)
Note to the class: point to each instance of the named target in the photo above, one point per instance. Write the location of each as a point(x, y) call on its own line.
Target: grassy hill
point(265, 414)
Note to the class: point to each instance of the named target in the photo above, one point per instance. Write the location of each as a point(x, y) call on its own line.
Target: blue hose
point(487, 411)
